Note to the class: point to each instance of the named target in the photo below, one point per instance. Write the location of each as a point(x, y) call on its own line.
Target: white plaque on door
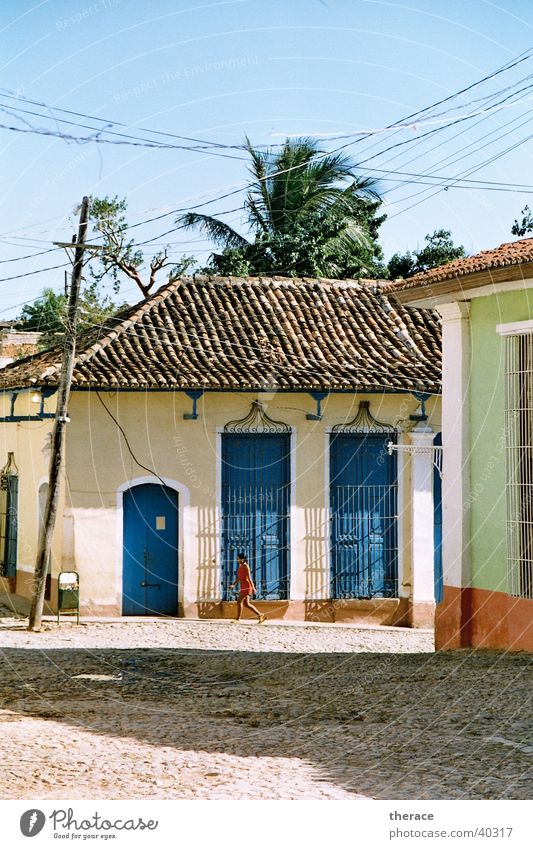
point(160, 523)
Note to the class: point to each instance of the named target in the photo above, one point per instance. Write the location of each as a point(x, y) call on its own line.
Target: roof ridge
point(275, 278)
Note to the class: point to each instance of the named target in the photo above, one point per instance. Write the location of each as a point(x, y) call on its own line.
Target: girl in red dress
point(246, 588)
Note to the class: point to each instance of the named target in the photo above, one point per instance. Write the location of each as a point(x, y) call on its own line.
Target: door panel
point(150, 562)
point(255, 510)
point(363, 517)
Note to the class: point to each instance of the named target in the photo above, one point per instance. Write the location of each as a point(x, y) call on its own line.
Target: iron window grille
point(364, 510)
point(9, 517)
point(519, 449)
point(256, 501)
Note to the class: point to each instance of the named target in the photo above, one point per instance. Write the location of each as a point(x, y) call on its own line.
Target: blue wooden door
point(255, 510)
point(437, 526)
point(150, 561)
point(363, 502)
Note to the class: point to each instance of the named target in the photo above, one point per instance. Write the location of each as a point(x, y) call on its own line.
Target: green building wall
point(487, 497)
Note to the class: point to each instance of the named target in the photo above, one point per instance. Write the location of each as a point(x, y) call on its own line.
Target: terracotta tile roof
point(231, 333)
point(508, 254)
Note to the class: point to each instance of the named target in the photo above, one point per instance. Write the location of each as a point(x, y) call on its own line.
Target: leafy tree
point(520, 228)
point(309, 215)
point(401, 265)
point(438, 250)
point(48, 313)
point(120, 255)
point(45, 315)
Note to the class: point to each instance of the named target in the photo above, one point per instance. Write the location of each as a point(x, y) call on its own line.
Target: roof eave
point(466, 286)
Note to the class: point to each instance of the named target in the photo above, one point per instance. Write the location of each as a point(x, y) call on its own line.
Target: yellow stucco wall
point(30, 443)
point(186, 455)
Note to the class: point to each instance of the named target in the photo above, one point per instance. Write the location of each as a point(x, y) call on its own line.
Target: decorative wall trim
point(257, 421)
point(364, 422)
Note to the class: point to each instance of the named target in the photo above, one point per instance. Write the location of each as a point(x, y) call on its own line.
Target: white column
point(456, 443)
point(422, 551)
point(404, 519)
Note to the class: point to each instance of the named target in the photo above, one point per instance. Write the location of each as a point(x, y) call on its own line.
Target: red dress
point(243, 577)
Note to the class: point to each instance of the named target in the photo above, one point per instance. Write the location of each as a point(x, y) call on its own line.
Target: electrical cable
point(112, 122)
point(243, 188)
point(134, 141)
point(29, 256)
point(467, 173)
point(126, 440)
point(455, 181)
point(30, 273)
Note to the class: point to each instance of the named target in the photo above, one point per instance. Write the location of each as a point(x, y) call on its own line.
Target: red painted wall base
point(483, 619)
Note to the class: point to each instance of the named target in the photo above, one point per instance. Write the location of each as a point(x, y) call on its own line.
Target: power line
point(503, 132)
point(416, 142)
point(29, 256)
point(512, 63)
point(453, 182)
point(471, 171)
point(123, 138)
point(517, 60)
point(113, 122)
point(127, 138)
point(30, 273)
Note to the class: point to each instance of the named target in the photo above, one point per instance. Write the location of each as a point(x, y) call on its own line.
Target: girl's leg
point(250, 606)
point(239, 608)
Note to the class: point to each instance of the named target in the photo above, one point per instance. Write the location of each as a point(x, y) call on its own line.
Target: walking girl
point(246, 588)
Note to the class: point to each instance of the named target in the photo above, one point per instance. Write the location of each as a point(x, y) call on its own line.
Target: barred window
point(519, 443)
point(8, 517)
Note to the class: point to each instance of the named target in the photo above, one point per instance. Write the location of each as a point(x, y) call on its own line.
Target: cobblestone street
point(180, 709)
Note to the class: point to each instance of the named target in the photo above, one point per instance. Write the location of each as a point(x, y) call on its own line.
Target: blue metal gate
point(150, 561)
point(363, 501)
point(255, 510)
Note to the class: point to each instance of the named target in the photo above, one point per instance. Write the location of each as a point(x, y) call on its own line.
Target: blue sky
point(268, 68)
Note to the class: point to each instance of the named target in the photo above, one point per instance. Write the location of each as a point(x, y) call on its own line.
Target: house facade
point(486, 306)
point(292, 420)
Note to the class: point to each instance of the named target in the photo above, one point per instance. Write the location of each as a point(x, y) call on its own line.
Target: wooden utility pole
point(58, 433)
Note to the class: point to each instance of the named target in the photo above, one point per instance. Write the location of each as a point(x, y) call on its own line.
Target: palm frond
point(258, 201)
point(258, 217)
point(218, 231)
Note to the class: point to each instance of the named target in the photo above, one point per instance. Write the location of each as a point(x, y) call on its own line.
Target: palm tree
point(307, 210)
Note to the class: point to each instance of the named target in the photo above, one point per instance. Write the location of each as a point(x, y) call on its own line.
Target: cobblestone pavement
point(181, 709)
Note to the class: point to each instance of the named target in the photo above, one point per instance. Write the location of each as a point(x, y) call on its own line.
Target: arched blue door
point(150, 561)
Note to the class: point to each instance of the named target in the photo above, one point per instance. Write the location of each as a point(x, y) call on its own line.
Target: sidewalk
point(212, 635)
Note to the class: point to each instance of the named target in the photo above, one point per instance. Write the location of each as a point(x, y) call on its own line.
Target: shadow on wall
point(366, 722)
point(208, 584)
point(316, 541)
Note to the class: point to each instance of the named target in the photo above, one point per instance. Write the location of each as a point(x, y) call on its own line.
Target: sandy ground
point(180, 709)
